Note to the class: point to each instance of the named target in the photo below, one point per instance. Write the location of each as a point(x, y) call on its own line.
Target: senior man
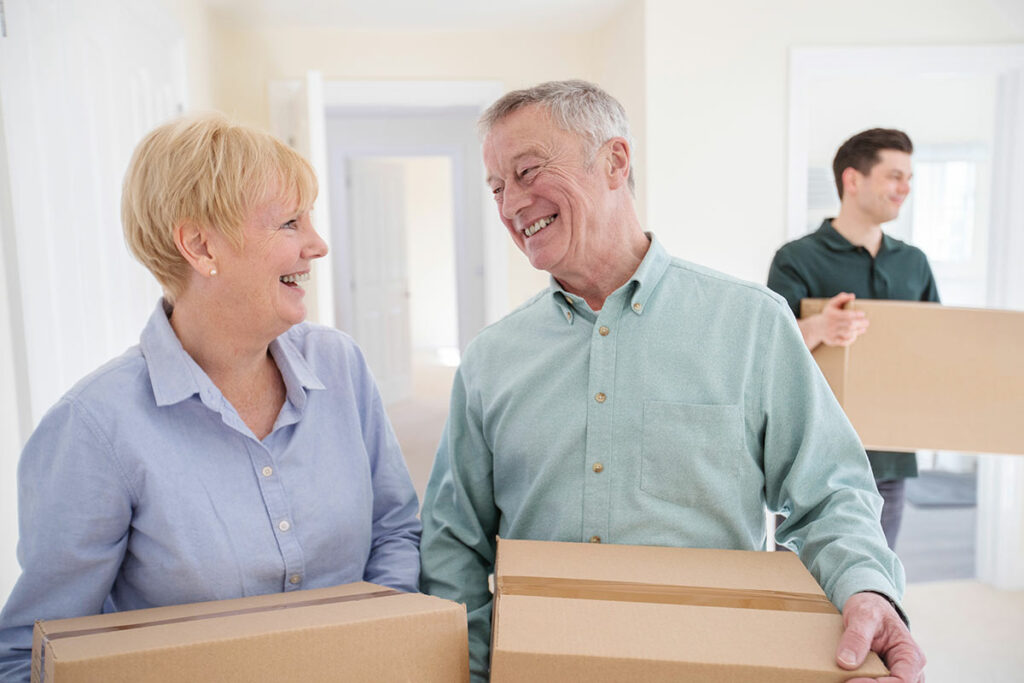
point(641, 399)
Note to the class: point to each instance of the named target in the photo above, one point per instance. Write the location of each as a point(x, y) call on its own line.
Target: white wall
point(430, 251)
point(717, 107)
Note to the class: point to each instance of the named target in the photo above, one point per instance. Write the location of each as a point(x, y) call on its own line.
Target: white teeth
point(535, 228)
point(294, 278)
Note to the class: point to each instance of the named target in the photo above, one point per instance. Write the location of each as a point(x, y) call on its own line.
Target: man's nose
point(513, 199)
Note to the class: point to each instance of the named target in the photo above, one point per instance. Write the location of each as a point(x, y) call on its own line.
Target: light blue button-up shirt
point(674, 416)
point(143, 487)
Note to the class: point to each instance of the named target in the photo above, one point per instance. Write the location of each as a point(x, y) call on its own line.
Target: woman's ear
point(193, 244)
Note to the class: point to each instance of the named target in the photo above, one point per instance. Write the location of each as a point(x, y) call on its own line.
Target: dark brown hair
point(861, 151)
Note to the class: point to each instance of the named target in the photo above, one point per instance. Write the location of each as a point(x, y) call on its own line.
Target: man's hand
point(871, 623)
point(834, 326)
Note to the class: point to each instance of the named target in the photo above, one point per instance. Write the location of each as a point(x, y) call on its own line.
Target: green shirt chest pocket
point(691, 454)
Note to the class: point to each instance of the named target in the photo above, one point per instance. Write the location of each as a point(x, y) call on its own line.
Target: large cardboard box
point(930, 376)
point(601, 613)
point(355, 632)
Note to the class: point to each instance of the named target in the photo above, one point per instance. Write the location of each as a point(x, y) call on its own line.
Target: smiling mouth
point(293, 279)
point(539, 225)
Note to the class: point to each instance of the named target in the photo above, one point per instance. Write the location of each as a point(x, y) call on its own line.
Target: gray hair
point(576, 106)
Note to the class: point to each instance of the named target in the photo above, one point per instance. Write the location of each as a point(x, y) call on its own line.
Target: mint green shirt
point(674, 416)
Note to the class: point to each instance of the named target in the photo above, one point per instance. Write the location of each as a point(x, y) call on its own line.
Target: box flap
point(764, 572)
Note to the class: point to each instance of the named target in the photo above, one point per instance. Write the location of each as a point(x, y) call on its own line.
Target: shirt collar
point(175, 376)
point(836, 242)
point(638, 289)
point(295, 370)
point(172, 372)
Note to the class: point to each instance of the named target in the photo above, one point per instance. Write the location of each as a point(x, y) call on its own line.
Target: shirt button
point(568, 299)
point(603, 331)
point(294, 579)
point(283, 525)
point(568, 316)
point(638, 307)
point(595, 539)
point(598, 468)
point(600, 397)
point(267, 471)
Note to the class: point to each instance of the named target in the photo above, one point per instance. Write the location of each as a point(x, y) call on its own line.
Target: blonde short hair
point(207, 169)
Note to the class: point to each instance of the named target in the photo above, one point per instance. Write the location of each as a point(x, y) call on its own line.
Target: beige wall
point(717, 78)
point(199, 31)
point(621, 70)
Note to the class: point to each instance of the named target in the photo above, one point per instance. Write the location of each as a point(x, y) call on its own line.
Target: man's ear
point(851, 180)
point(193, 243)
point(617, 159)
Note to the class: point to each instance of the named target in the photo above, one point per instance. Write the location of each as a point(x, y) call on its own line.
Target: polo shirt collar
point(832, 239)
point(639, 288)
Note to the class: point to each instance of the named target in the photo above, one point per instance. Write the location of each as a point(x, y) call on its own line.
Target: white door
point(380, 285)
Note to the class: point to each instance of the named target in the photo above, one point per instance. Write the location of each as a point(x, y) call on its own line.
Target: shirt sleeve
point(785, 279)
point(75, 510)
point(931, 290)
point(460, 522)
point(817, 475)
point(394, 559)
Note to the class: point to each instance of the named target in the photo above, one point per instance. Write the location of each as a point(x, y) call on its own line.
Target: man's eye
point(496, 191)
point(527, 171)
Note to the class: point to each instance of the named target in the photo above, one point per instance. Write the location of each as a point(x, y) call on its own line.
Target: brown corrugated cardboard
point(930, 376)
point(355, 632)
point(601, 613)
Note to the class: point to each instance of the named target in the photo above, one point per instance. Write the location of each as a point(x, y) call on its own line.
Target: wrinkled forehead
point(530, 131)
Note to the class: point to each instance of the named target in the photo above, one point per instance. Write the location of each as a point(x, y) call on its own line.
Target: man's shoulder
point(805, 244)
point(506, 329)
point(718, 285)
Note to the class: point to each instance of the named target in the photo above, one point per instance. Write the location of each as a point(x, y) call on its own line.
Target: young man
point(640, 399)
point(849, 256)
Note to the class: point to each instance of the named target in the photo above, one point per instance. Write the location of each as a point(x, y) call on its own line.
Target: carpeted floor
point(943, 489)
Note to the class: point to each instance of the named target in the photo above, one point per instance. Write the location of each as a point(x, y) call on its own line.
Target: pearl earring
point(213, 272)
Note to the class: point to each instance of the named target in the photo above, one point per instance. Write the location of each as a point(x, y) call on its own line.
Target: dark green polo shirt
point(824, 263)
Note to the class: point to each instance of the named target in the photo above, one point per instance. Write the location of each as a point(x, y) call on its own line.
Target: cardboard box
point(930, 376)
point(601, 613)
point(356, 632)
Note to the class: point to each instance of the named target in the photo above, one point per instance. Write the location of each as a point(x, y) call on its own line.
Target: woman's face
point(263, 281)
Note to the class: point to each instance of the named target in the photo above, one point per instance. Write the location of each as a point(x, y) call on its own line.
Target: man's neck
point(859, 230)
point(599, 279)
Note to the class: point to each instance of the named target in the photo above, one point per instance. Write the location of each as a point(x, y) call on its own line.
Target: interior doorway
point(401, 248)
point(406, 285)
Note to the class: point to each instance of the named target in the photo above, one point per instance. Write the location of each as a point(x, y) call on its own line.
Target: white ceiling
point(437, 15)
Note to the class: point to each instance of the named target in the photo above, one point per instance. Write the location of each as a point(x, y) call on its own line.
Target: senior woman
point(236, 450)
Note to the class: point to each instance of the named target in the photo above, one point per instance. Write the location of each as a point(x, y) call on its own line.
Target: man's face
point(881, 192)
point(548, 193)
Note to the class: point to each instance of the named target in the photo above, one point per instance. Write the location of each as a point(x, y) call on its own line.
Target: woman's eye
point(293, 224)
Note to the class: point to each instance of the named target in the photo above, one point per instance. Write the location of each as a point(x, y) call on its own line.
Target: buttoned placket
point(599, 470)
point(275, 499)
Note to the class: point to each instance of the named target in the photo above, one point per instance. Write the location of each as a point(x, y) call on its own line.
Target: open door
point(297, 116)
point(380, 284)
